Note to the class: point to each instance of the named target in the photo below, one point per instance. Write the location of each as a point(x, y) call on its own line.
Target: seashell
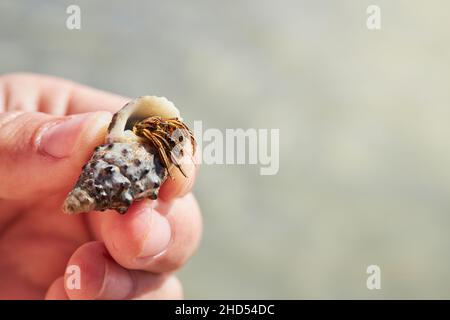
point(126, 167)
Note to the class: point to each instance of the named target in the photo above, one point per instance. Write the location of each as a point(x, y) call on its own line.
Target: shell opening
point(137, 110)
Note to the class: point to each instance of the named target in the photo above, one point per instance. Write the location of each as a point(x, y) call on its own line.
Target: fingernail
point(158, 238)
point(59, 139)
point(117, 283)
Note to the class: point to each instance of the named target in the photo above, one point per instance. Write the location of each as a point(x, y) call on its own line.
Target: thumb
point(42, 154)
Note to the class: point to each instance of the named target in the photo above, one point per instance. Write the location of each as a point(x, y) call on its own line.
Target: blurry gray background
point(364, 130)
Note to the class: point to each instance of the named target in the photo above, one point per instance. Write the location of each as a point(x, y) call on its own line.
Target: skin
point(131, 256)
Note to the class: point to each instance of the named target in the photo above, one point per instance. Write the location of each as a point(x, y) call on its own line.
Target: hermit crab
point(146, 139)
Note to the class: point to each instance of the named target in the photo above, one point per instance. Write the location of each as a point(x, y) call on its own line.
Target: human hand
point(48, 130)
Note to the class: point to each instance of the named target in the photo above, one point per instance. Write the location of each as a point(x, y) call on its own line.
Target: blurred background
point(364, 130)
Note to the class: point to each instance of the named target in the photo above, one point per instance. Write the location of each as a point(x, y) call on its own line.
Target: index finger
point(53, 95)
point(85, 99)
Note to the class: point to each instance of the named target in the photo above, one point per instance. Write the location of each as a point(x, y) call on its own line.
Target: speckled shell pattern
point(115, 176)
point(125, 168)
